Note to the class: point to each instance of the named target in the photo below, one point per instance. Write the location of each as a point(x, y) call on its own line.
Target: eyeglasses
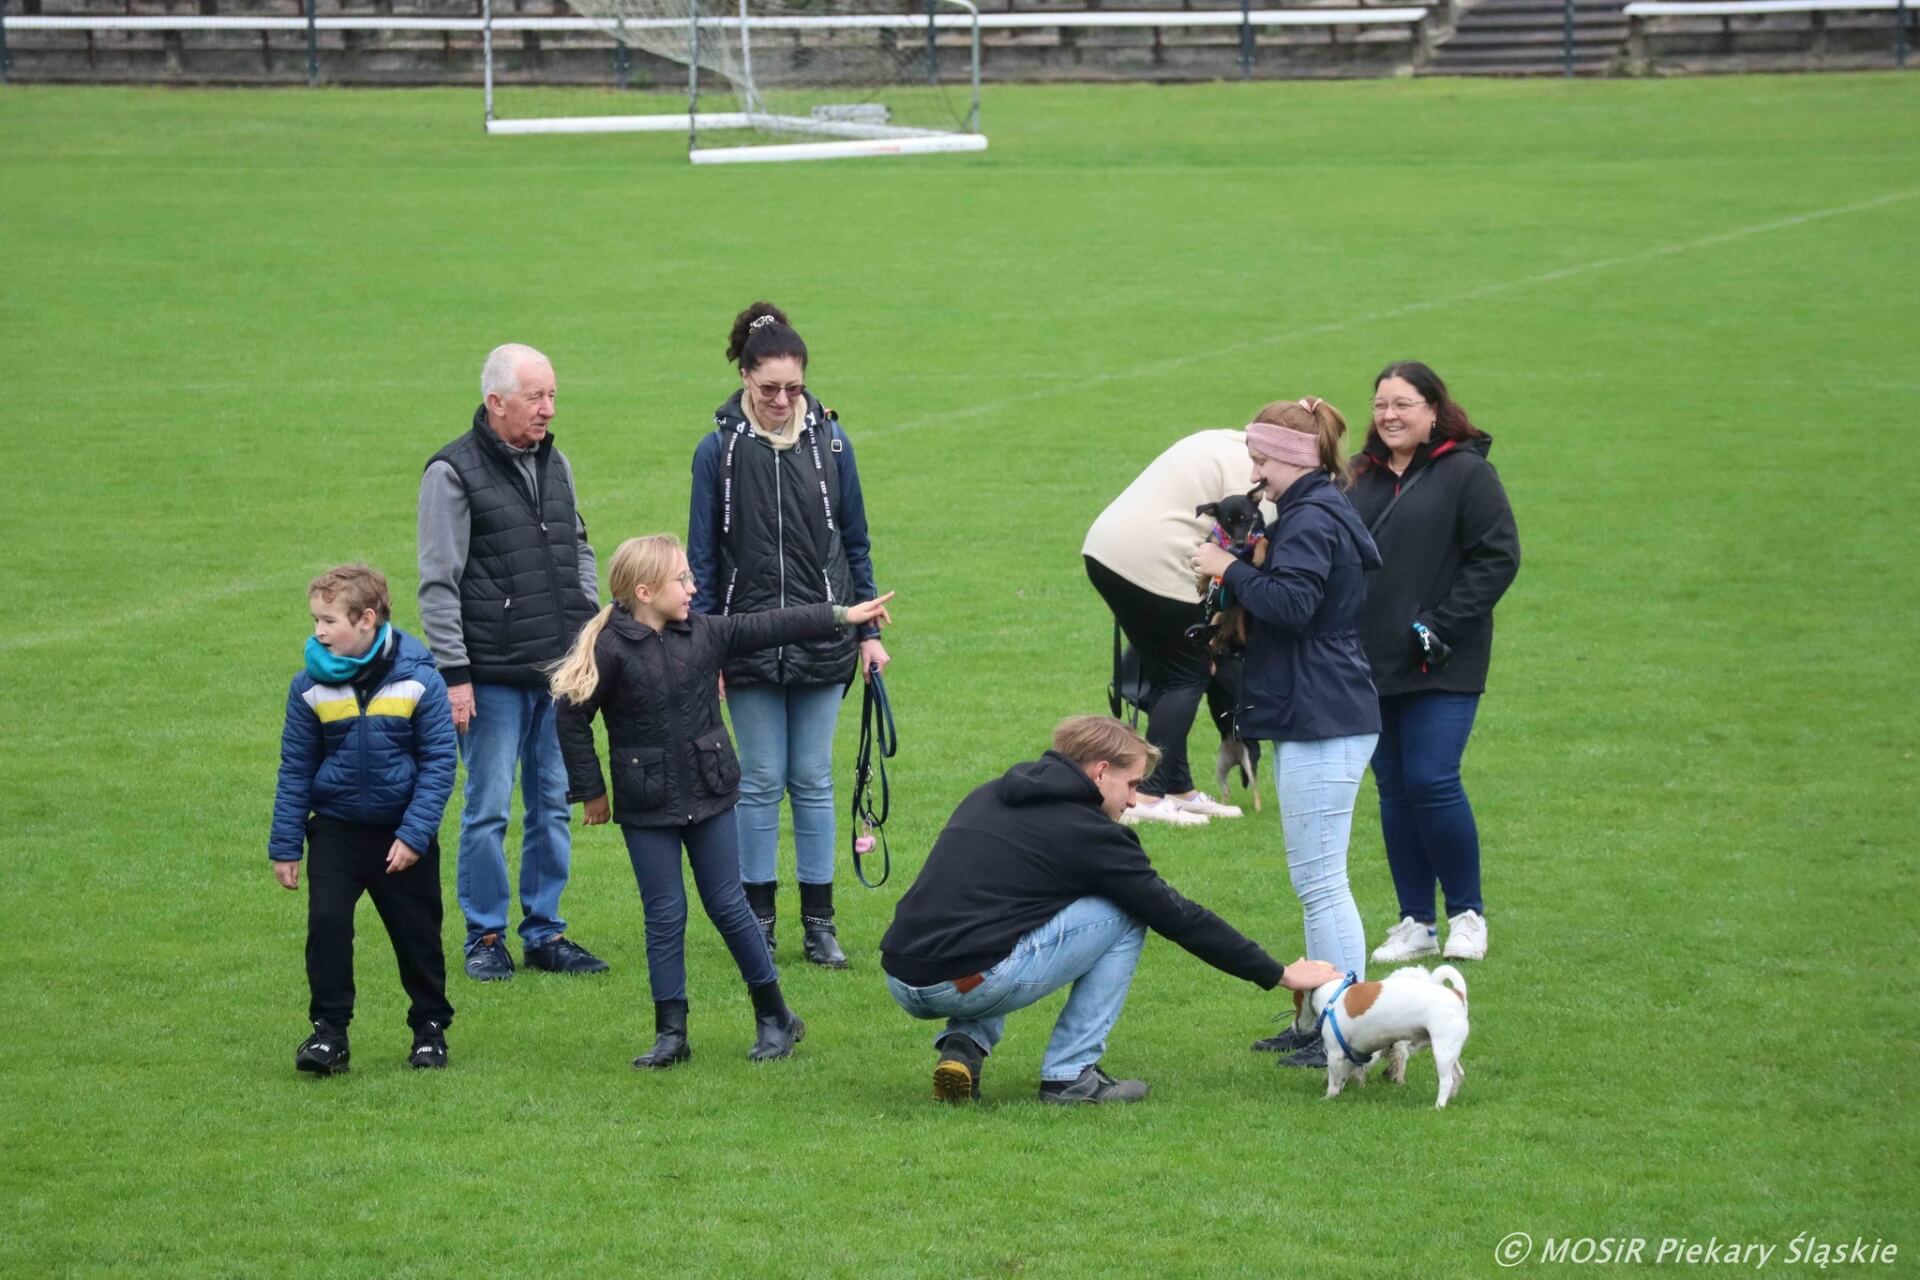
point(685, 580)
point(771, 391)
point(1398, 406)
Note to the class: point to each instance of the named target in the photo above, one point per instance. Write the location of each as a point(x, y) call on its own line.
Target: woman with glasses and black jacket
point(1438, 513)
point(777, 519)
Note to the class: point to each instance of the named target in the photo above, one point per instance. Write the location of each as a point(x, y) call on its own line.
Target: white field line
point(1241, 348)
point(176, 603)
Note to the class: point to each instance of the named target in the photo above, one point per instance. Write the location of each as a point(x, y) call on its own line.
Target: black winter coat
point(1451, 551)
point(1020, 850)
point(1304, 677)
point(673, 763)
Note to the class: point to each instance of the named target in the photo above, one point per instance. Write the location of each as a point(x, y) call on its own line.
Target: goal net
point(746, 80)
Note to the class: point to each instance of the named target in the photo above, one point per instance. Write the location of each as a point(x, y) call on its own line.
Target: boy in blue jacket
point(366, 765)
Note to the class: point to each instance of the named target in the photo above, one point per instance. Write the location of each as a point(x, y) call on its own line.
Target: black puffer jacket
point(1450, 551)
point(673, 763)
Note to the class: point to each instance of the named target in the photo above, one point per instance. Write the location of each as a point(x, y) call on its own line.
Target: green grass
point(236, 324)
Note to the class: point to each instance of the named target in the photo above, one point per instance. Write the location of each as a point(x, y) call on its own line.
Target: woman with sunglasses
point(1438, 513)
point(777, 519)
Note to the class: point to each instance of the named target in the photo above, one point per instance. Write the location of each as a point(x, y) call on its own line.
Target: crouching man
point(1035, 885)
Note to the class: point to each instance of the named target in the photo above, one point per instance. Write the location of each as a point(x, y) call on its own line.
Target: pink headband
point(1281, 444)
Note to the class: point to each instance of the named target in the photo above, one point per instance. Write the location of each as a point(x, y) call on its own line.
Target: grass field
point(236, 324)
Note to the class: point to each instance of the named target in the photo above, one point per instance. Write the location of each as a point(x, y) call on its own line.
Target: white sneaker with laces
point(1162, 810)
point(1202, 803)
point(1407, 940)
point(1466, 936)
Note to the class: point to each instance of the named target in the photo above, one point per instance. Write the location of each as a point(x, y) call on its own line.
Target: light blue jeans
point(513, 726)
point(1317, 783)
point(1092, 944)
point(785, 740)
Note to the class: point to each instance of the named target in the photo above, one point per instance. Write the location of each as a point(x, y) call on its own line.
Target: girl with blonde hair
point(650, 668)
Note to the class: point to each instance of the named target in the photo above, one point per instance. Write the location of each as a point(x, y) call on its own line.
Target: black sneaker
point(1093, 1085)
point(563, 955)
point(956, 1077)
point(429, 1047)
point(324, 1053)
point(1287, 1041)
point(489, 961)
point(1312, 1056)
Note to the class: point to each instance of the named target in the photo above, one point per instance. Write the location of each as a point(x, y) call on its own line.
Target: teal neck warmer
point(330, 668)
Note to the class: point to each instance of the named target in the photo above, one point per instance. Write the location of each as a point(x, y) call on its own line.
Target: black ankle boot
point(669, 1037)
point(822, 946)
point(760, 900)
point(776, 1028)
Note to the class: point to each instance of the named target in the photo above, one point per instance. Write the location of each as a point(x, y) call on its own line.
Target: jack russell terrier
point(1406, 1012)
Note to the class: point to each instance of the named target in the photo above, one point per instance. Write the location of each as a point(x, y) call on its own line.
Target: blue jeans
point(1317, 783)
point(1424, 815)
point(1092, 944)
point(785, 738)
point(713, 851)
point(513, 726)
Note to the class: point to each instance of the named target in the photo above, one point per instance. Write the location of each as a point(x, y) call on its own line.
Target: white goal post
point(767, 80)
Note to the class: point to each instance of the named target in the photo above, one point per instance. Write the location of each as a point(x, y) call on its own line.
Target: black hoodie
point(1450, 550)
point(1020, 850)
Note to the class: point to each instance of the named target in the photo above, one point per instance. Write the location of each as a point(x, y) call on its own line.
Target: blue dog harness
point(1329, 1018)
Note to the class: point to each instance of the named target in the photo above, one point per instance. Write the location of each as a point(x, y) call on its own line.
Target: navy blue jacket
point(1305, 675)
point(379, 752)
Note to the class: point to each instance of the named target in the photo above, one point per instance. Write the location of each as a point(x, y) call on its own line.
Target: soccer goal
point(761, 80)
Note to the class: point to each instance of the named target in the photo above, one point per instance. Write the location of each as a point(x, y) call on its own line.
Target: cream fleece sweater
point(1148, 533)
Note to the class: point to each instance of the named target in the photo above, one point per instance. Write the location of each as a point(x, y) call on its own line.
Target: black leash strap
point(869, 822)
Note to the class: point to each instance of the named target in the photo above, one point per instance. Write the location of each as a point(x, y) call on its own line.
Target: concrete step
point(1580, 70)
point(1604, 37)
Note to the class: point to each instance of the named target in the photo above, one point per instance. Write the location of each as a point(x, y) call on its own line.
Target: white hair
point(500, 375)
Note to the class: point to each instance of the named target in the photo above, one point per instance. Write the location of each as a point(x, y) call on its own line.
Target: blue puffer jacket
point(1305, 675)
point(380, 752)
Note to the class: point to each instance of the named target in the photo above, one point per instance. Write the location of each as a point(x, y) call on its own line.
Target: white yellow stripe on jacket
point(331, 702)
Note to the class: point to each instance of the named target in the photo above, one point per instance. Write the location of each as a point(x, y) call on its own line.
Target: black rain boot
point(776, 1028)
point(669, 1037)
point(822, 946)
point(760, 900)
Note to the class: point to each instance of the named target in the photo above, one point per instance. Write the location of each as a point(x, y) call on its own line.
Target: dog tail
point(1449, 976)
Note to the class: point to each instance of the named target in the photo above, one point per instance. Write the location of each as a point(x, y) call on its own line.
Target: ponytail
point(577, 675)
point(1313, 417)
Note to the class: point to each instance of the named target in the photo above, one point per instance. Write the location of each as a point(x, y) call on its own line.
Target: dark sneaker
point(956, 1077)
point(1094, 1085)
point(1312, 1056)
point(324, 1053)
point(429, 1047)
point(1287, 1041)
point(489, 961)
point(563, 955)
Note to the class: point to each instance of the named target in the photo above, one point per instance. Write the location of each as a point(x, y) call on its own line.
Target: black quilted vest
point(520, 599)
point(780, 543)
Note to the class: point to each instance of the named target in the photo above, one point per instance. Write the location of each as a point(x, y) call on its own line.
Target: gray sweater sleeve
point(445, 526)
point(589, 566)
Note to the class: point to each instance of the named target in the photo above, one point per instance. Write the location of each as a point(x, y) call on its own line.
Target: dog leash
point(878, 742)
point(1329, 1018)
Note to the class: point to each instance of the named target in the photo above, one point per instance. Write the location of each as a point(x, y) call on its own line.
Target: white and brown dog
point(1411, 1009)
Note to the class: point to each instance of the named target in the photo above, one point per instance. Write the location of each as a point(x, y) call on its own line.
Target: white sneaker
point(1466, 936)
point(1162, 810)
point(1202, 803)
point(1407, 940)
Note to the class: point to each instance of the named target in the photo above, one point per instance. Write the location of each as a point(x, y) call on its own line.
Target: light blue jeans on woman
point(785, 739)
point(1092, 944)
point(1318, 782)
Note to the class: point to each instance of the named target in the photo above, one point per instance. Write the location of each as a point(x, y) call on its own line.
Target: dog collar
point(1329, 1018)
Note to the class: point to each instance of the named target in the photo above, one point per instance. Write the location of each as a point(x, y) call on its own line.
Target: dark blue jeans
point(1424, 815)
point(713, 850)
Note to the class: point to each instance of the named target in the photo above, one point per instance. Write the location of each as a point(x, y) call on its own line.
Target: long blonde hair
point(639, 562)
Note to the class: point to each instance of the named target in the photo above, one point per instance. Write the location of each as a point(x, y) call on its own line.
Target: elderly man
point(507, 579)
point(1035, 885)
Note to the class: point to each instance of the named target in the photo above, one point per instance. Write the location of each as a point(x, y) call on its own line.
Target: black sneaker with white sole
point(324, 1053)
point(429, 1047)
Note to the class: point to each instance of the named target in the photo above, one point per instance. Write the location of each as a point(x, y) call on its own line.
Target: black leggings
point(1177, 671)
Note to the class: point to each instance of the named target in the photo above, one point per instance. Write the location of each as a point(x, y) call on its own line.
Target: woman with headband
point(1306, 686)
